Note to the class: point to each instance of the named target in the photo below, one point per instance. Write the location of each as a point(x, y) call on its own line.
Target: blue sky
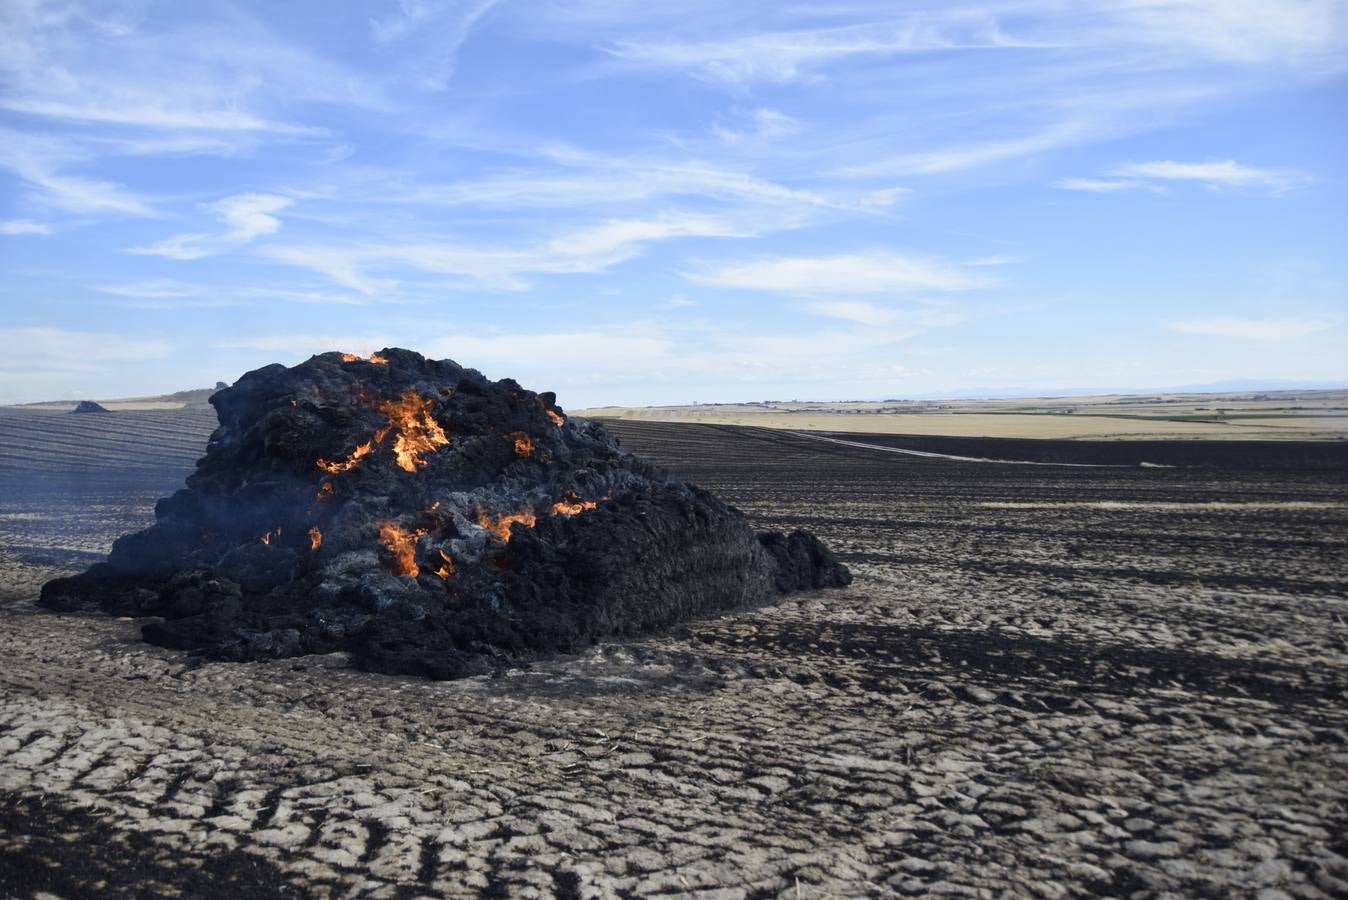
point(645, 203)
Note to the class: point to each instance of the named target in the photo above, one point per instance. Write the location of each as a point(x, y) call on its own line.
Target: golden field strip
point(1274, 415)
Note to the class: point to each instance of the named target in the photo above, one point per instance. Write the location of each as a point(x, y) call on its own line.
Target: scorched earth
point(1046, 680)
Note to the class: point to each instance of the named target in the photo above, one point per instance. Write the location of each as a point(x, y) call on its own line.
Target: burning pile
point(430, 521)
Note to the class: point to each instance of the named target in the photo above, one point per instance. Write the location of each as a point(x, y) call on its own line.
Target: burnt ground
point(1046, 680)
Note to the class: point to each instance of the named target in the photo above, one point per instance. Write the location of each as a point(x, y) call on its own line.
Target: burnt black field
point(1105, 677)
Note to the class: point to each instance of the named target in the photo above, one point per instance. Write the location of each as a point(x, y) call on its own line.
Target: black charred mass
point(429, 521)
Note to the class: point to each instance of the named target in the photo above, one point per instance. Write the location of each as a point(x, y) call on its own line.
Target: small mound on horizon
point(429, 521)
point(89, 406)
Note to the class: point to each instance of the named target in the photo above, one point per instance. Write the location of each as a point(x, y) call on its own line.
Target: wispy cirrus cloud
point(855, 273)
point(568, 176)
point(865, 313)
point(168, 293)
point(957, 157)
point(437, 28)
point(43, 167)
point(1105, 185)
point(1271, 329)
point(585, 250)
point(632, 361)
point(105, 65)
point(762, 124)
point(1213, 174)
point(46, 348)
point(24, 226)
point(790, 54)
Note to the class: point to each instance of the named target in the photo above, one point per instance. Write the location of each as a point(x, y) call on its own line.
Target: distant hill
point(192, 399)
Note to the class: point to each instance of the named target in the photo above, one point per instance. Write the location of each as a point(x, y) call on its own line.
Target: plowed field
point(1047, 679)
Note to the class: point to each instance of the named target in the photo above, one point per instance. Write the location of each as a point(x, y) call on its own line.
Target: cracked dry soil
point(1045, 682)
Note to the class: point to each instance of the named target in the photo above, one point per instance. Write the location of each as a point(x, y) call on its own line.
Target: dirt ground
point(1046, 681)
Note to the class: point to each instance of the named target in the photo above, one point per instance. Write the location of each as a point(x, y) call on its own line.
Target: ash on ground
point(429, 521)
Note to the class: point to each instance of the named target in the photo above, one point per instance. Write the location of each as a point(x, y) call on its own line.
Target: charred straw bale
point(429, 521)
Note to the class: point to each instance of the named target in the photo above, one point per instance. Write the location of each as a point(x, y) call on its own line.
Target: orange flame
point(374, 358)
point(555, 417)
point(447, 568)
point(524, 445)
point(275, 533)
point(501, 526)
point(402, 543)
point(315, 539)
point(572, 505)
point(349, 463)
point(418, 432)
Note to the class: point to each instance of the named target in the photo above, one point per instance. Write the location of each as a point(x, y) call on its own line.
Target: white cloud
point(637, 361)
point(157, 288)
point(1305, 34)
point(40, 350)
point(1254, 329)
point(180, 246)
point(39, 162)
point(147, 113)
point(111, 64)
point(342, 266)
point(24, 226)
point(860, 273)
point(583, 179)
point(245, 217)
point(1103, 185)
point(302, 346)
point(592, 249)
point(762, 124)
point(916, 321)
point(884, 197)
point(967, 156)
point(248, 216)
point(167, 293)
point(1216, 173)
point(443, 25)
point(789, 55)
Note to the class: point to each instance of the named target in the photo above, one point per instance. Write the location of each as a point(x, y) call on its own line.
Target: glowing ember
point(418, 432)
point(524, 445)
point(501, 526)
point(572, 505)
point(555, 417)
point(374, 358)
point(349, 463)
point(315, 538)
point(447, 567)
point(325, 490)
point(275, 533)
point(402, 543)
